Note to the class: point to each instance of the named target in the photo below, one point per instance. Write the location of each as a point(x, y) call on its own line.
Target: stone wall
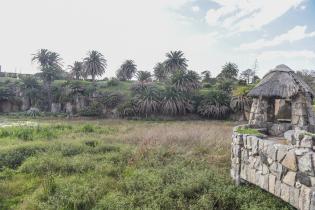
point(259, 112)
point(284, 168)
point(302, 112)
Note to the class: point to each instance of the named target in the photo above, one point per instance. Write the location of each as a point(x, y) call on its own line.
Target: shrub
point(33, 112)
point(88, 128)
point(25, 134)
point(94, 109)
point(113, 82)
point(175, 102)
point(112, 100)
point(214, 105)
point(13, 156)
point(127, 109)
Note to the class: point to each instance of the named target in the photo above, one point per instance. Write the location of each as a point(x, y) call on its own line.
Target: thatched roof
point(281, 82)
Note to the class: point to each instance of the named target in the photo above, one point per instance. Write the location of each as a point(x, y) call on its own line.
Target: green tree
point(175, 61)
point(248, 75)
point(175, 102)
point(76, 70)
point(206, 76)
point(95, 64)
point(50, 67)
point(144, 76)
point(160, 72)
point(127, 70)
point(229, 71)
point(214, 105)
point(185, 81)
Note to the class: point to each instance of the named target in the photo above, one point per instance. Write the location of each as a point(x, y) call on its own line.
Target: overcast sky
point(209, 32)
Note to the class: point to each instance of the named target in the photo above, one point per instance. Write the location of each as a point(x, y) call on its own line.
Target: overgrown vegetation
point(123, 165)
point(172, 91)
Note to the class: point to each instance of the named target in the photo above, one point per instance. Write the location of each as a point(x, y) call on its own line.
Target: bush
point(33, 112)
point(214, 105)
point(113, 82)
point(12, 157)
point(88, 128)
point(94, 109)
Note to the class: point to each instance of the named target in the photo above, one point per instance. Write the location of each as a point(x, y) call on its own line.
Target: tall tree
point(160, 73)
point(206, 76)
point(144, 76)
point(95, 64)
point(175, 61)
point(76, 70)
point(127, 70)
point(248, 75)
point(50, 67)
point(229, 71)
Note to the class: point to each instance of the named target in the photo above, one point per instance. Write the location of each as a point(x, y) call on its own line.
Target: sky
point(209, 32)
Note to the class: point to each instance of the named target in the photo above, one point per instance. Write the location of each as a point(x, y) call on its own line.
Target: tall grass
point(125, 165)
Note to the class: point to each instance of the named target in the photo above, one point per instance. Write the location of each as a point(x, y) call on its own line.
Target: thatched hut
point(282, 101)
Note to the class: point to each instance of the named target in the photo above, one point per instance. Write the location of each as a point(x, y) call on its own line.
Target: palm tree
point(175, 102)
point(127, 70)
point(185, 81)
point(229, 71)
point(175, 61)
point(144, 76)
point(206, 76)
point(214, 105)
point(160, 72)
point(148, 101)
point(76, 71)
point(50, 67)
point(95, 64)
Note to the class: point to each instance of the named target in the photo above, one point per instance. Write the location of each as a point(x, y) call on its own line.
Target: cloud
point(195, 9)
point(273, 55)
point(248, 15)
point(295, 34)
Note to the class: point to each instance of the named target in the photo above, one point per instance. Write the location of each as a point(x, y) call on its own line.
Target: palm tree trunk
point(49, 95)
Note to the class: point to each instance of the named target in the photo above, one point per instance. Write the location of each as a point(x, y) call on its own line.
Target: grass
point(116, 164)
point(249, 131)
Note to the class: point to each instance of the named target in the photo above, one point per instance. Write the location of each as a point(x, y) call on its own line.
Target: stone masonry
point(284, 168)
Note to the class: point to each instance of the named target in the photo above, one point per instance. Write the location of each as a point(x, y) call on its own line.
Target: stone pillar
point(259, 112)
point(300, 117)
point(236, 151)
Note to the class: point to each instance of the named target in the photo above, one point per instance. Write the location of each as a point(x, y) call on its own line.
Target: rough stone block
point(289, 161)
point(294, 197)
point(272, 183)
point(277, 170)
point(238, 139)
point(255, 146)
point(272, 152)
point(281, 152)
point(265, 169)
point(285, 192)
point(305, 198)
point(307, 142)
point(302, 151)
point(278, 188)
point(305, 164)
point(264, 182)
point(289, 178)
point(303, 179)
point(289, 136)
